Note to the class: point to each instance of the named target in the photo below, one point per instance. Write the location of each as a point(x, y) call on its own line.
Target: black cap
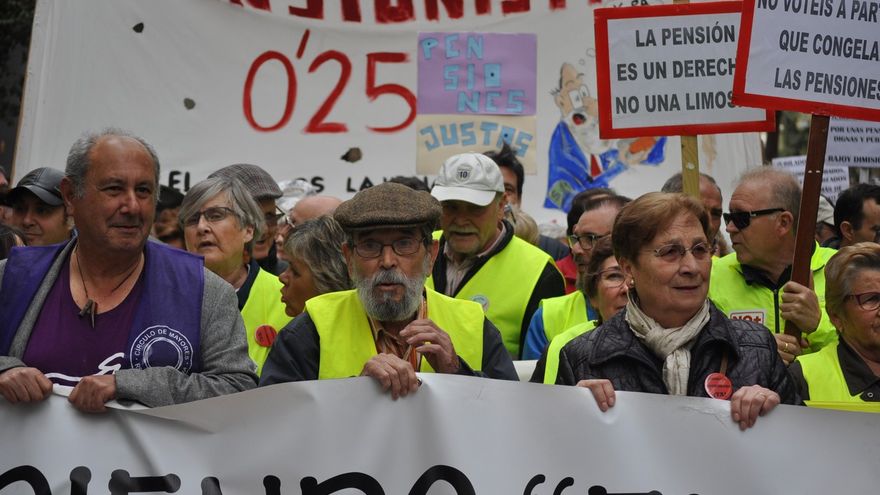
point(44, 183)
point(169, 197)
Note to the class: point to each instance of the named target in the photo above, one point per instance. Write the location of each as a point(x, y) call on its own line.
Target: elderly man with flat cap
point(390, 326)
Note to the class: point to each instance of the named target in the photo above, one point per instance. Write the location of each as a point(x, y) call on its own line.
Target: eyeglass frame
point(576, 239)
point(600, 276)
point(681, 250)
point(748, 215)
point(858, 299)
point(275, 217)
point(418, 242)
point(194, 219)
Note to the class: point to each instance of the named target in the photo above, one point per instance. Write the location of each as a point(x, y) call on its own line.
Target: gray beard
point(380, 306)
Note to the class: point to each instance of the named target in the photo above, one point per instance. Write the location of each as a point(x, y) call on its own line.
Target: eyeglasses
point(869, 301)
point(585, 241)
point(611, 277)
point(742, 219)
point(716, 212)
point(213, 214)
point(272, 218)
point(674, 252)
point(402, 247)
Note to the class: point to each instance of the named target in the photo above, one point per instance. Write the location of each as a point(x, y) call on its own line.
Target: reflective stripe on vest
point(563, 312)
point(551, 366)
point(346, 341)
point(263, 307)
point(503, 287)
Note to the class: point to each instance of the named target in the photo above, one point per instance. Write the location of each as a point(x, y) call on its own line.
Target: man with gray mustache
point(390, 326)
point(481, 260)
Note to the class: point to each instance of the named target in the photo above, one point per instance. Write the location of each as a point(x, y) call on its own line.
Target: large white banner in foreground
point(456, 435)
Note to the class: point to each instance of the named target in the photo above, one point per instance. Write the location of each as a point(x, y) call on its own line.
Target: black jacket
point(613, 351)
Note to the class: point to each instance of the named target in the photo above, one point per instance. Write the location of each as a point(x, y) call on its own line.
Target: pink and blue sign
point(477, 73)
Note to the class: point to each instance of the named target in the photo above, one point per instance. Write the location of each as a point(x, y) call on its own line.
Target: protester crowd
point(127, 290)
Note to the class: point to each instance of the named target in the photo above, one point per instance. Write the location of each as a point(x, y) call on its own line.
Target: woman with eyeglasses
point(315, 263)
point(670, 339)
point(605, 287)
point(846, 374)
point(220, 221)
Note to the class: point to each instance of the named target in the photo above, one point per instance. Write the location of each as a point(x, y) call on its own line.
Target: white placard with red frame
point(820, 57)
point(668, 70)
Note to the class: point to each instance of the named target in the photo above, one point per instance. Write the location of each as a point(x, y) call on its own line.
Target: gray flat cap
point(257, 181)
point(388, 205)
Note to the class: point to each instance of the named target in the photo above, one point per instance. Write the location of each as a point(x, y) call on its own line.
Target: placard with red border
point(692, 121)
point(833, 26)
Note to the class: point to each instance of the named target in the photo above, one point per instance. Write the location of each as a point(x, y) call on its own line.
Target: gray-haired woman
point(220, 221)
point(316, 265)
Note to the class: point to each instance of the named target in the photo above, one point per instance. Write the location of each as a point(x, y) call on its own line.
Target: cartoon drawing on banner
point(578, 158)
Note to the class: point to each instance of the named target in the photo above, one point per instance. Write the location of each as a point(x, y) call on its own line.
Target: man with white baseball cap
point(481, 259)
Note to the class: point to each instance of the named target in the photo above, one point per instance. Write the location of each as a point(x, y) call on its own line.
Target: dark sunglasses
point(742, 219)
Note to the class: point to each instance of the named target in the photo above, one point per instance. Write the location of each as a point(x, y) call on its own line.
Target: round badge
point(265, 335)
point(718, 386)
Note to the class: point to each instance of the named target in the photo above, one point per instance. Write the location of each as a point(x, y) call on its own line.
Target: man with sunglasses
point(390, 326)
point(265, 191)
point(754, 282)
point(480, 258)
point(558, 314)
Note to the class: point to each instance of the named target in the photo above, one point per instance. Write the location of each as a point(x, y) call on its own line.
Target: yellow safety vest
point(346, 339)
point(503, 287)
point(263, 307)
point(738, 300)
point(563, 312)
point(551, 365)
point(827, 385)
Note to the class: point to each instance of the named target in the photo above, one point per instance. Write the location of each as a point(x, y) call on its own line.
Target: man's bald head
point(311, 207)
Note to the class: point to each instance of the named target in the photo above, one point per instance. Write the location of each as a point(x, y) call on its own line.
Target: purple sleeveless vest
point(167, 322)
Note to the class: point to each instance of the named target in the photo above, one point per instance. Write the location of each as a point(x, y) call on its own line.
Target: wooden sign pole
point(690, 166)
point(806, 228)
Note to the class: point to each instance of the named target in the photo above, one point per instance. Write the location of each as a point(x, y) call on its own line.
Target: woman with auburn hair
point(670, 339)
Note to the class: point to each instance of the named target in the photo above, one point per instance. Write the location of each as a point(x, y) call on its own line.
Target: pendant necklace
point(91, 306)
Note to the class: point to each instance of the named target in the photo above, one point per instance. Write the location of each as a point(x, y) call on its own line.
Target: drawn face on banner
point(580, 111)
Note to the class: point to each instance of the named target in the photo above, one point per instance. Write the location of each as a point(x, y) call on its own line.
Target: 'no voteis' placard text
point(814, 56)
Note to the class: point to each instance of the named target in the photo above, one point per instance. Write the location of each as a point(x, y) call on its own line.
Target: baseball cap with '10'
point(469, 177)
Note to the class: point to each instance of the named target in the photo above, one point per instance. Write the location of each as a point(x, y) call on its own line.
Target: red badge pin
point(265, 335)
point(718, 386)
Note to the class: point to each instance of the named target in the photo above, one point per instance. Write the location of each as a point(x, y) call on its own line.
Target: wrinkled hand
point(789, 346)
point(750, 402)
point(24, 385)
point(602, 391)
point(392, 373)
point(800, 305)
point(92, 392)
point(433, 343)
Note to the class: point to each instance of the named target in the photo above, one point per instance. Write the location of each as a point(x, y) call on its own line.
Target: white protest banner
point(294, 85)
point(668, 70)
point(812, 56)
point(853, 143)
point(455, 435)
point(835, 178)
